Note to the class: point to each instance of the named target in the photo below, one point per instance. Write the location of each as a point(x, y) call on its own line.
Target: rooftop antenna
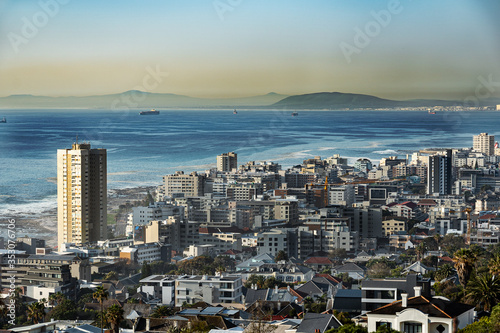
point(77, 139)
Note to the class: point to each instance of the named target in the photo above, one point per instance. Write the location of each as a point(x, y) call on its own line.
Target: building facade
point(484, 143)
point(227, 162)
point(191, 185)
point(439, 176)
point(81, 194)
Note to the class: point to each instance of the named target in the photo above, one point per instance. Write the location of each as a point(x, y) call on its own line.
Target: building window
point(382, 323)
point(412, 328)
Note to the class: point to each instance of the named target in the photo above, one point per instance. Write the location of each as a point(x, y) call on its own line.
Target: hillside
point(337, 100)
point(137, 100)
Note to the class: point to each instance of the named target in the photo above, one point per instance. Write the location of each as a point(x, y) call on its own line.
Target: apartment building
point(81, 194)
point(341, 195)
point(191, 185)
point(210, 289)
point(159, 287)
point(484, 143)
point(227, 162)
point(43, 275)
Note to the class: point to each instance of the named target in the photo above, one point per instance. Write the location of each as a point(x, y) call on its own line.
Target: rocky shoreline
point(44, 225)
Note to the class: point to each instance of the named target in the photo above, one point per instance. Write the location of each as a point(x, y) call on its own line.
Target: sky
point(448, 49)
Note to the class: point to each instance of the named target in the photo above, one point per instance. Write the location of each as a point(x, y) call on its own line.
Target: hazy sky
point(227, 48)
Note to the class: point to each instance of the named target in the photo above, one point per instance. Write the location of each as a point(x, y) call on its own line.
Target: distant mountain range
point(337, 100)
point(135, 99)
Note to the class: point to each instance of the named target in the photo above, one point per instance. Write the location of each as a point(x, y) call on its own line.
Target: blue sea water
point(141, 149)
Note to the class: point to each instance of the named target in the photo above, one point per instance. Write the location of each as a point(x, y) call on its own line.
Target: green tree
point(272, 282)
point(132, 300)
point(255, 279)
point(36, 312)
point(484, 290)
point(421, 249)
point(495, 318)
point(386, 329)
point(494, 264)
point(281, 255)
point(114, 316)
point(199, 265)
point(444, 272)
point(430, 261)
point(481, 326)
point(4, 310)
point(379, 270)
point(224, 261)
point(111, 276)
point(452, 243)
point(57, 298)
point(350, 328)
point(162, 311)
point(64, 310)
point(464, 264)
point(100, 295)
point(145, 270)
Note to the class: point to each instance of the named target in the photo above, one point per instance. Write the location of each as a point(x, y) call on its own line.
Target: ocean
point(141, 149)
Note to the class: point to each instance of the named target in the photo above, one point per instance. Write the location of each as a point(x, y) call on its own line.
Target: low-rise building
point(161, 287)
point(210, 289)
point(422, 314)
point(380, 292)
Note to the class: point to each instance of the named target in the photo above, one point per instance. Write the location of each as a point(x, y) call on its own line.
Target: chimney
point(404, 300)
point(147, 324)
point(418, 291)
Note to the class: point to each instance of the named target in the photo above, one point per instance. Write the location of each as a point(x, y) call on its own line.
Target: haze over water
point(141, 149)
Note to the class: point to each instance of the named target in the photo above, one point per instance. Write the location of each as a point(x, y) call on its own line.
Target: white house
point(419, 314)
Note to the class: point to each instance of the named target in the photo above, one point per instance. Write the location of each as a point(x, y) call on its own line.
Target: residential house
point(317, 323)
point(422, 314)
point(380, 292)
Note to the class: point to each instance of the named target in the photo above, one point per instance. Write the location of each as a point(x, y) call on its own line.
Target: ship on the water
point(153, 111)
point(235, 112)
point(3, 120)
point(295, 114)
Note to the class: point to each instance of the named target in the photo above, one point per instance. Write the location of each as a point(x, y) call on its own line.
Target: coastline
point(44, 225)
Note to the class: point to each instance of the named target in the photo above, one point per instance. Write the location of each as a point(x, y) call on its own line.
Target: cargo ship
point(153, 111)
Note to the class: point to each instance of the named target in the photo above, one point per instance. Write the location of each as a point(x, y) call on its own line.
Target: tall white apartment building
point(227, 162)
point(81, 194)
point(484, 143)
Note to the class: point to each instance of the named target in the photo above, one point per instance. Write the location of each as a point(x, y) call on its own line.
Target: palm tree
point(484, 290)
point(100, 295)
point(494, 265)
point(36, 312)
point(114, 316)
point(464, 263)
point(258, 280)
point(421, 249)
point(57, 298)
point(444, 272)
point(162, 311)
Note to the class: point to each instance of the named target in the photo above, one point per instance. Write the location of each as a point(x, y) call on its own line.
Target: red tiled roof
point(409, 204)
point(329, 277)
point(318, 260)
point(446, 258)
point(428, 202)
point(487, 217)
